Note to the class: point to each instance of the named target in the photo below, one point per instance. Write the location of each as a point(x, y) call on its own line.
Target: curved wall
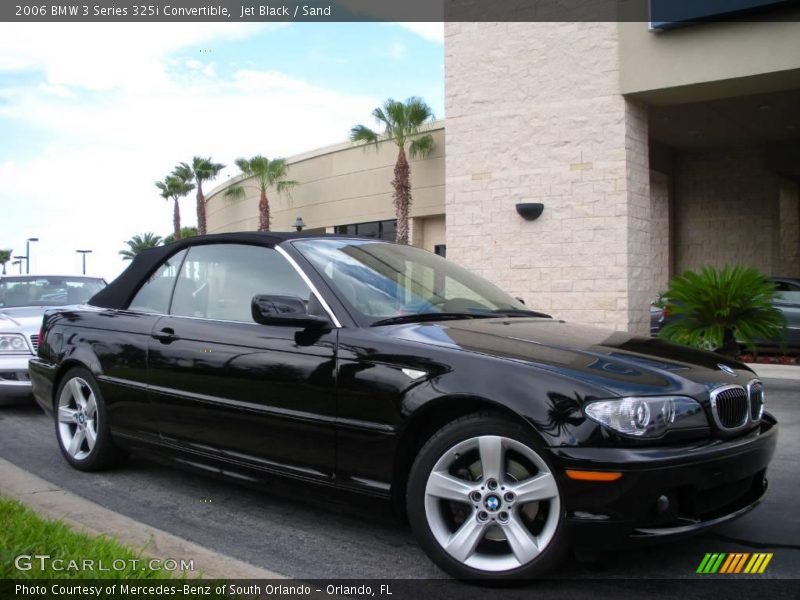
point(339, 185)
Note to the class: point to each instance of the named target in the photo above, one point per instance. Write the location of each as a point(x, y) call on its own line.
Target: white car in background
point(23, 301)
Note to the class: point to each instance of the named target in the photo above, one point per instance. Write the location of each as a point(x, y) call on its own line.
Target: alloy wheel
point(77, 418)
point(492, 503)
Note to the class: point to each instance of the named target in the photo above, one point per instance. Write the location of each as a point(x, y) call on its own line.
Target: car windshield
point(381, 281)
point(47, 291)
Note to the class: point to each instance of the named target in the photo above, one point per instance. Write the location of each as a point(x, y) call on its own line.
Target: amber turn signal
point(593, 475)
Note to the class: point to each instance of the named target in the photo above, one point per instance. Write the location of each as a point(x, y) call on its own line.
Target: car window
point(219, 281)
point(47, 291)
point(379, 280)
point(154, 295)
point(792, 297)
point(787, 286)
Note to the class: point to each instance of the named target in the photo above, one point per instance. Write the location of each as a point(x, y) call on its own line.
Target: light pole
point(83, 253)
point(18, 261)
point(28, 254)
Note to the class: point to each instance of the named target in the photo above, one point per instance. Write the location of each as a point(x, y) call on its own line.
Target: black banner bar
point(663, 12)
point(695, 588)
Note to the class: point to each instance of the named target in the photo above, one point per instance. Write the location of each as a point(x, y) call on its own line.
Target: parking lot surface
point(308, 533)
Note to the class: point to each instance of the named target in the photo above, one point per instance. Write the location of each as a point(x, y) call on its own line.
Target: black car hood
point(617, 361)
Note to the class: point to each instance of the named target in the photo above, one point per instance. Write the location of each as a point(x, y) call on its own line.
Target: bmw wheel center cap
point(492, 502)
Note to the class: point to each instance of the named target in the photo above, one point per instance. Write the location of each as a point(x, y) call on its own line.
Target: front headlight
point(13, 343)
point(647, 417)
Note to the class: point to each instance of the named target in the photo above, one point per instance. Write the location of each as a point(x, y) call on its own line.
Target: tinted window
point(154, 295)
point(219, 281)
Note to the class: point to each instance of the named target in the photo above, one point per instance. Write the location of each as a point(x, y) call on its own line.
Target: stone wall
point(660, 230)
point(790, 229)
point(727, 210)
point(534, 114)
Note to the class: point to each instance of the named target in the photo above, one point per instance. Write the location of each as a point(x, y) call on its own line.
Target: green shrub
point(714, 309)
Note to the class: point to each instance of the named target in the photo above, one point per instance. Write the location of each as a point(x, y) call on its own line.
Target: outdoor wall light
point(299, 224)
point(530, 211)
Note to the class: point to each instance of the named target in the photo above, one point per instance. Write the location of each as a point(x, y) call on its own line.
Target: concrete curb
point(791, 372)
point(52, 502)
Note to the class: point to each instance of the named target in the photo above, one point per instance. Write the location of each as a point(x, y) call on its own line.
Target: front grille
point(756, 390)
point(35, 343)
point(730, 406)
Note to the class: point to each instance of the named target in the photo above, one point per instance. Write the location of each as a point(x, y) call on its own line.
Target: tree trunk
point(402, 196)
point(729, 345)
point(263, 212)
point(176, 220)
point(201, 210)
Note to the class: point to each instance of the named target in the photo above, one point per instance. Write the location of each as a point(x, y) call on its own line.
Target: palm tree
point(5, 256)
point(401, 122)
point(186, 232)
point(266, 173)
point(176, 185)
point(202, 169)
point(138, 243)
point(715, 308)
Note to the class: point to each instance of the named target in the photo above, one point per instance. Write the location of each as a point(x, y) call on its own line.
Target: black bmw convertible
point(504, 435)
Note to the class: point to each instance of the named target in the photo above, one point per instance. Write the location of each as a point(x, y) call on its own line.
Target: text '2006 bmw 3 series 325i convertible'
point(504, 436)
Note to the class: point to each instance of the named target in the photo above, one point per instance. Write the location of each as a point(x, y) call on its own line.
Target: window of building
point(378, 230)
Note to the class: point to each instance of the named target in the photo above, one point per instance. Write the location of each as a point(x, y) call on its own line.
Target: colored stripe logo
point(733, 563)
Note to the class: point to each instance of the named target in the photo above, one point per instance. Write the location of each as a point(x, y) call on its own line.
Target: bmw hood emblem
point(726, 369)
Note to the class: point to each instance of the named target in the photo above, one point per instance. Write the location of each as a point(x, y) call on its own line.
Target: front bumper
point(14, 379)
point(665, 492)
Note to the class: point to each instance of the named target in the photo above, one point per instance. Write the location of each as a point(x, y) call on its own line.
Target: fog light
point(662, 504)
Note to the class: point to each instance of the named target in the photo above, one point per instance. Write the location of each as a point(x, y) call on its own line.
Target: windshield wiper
point(430, 316)
point(514, 312)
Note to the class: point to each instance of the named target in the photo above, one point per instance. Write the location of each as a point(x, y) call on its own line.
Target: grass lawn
point(22, 532)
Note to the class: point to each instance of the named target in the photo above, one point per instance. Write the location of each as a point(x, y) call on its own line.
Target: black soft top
point(120, 292)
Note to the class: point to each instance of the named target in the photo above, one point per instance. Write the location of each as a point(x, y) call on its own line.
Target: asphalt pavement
point(307, 533)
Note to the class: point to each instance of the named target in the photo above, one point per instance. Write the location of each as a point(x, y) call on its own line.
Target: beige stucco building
point(344, 185)
point(652, 153)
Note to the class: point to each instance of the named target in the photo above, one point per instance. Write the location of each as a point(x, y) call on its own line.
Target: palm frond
point(417, 112)
point(284, 186)
point(183, 172)
point(710, 303)
point(138, 243)
point(362, 133)
point(244, 166)
point(235, 192)
point(421, 146)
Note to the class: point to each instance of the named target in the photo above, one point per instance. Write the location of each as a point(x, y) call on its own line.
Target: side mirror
point(268, 309)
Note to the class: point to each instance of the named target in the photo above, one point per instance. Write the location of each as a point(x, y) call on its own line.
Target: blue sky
point(92, 114)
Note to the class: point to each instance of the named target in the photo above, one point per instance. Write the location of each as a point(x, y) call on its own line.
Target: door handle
point(165, 336)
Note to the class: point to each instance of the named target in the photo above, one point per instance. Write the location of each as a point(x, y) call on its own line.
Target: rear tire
point(81, 423)
point(484, 503)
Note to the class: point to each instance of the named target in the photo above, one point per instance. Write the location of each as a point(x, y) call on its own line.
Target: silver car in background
point(23, 301)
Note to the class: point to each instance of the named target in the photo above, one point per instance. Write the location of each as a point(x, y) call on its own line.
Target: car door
point(119, 341)
point(233, 390)
point(788, 302)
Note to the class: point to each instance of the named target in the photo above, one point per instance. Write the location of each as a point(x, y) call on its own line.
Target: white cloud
point(91, 184)
point(433, 32)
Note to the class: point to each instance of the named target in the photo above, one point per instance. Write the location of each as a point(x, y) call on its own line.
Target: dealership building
point(644, 153)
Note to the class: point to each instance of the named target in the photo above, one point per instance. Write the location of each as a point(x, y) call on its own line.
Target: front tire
point(81, 423)
point(484, 502)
